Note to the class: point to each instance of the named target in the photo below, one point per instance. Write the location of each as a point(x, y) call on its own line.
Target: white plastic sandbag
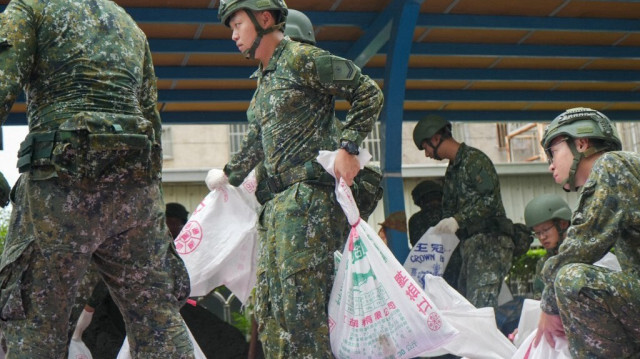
point(219, 242)
point(430, 254)
point(376, 310)
point(125, 353)
point(479, 336)
point(528, 322)
point(544, 350)
point(77, 350)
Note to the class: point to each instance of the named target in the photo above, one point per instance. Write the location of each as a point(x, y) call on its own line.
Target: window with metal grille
point(236, 135)
point(630, 136)
point(167, 143)
point(501, 129)
point(371, 143)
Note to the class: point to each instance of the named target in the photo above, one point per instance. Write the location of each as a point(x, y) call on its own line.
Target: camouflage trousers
point(55, 231)
point(486, 260)
point(600, 311)
point(300, 229)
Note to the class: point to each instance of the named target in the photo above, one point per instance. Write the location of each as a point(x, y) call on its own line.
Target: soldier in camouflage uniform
point(548, 216)
point(294, 119)
point(428, 196)
point(90, 186)
point(597, 308)
point(472, 209)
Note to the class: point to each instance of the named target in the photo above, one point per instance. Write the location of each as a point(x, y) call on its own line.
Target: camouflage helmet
point(427, 127)
point(299, 27)
point(425, 191)
point(582, 122)
point(229, 7)
point(544, 208)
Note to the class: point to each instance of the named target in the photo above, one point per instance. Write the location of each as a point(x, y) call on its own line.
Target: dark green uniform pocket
point(11, 281)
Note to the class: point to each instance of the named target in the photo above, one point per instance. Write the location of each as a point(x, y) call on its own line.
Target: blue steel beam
point(373, 39)
point(240, 72)
point(228, 117)
point(405, 14)
point(341, 48)
point(364, 19)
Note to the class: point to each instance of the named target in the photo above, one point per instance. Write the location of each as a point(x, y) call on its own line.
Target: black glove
point(5, 189)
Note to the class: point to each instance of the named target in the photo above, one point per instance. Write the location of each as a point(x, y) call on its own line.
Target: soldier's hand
point(447, 225)
point(346, 166)
point(5, 190)
point(549, 326)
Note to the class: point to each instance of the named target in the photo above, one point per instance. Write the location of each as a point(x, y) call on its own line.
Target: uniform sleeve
point(149, 95)
point(342, 78)
point(480, 184)
point(17, 49)
point(250, 154)
point(595, 227)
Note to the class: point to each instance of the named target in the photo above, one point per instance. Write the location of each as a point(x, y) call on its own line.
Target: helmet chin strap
point(577, 157)
point(561, 231)
point(251, 52)
point(435, 149)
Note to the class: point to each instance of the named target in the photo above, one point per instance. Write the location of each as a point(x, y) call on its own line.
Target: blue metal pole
point(405, 15)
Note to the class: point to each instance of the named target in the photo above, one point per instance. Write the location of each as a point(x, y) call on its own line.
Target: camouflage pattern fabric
point(486, 260)
point(307, 226)
point(90, 186)
point(538, 283)
point(471, 194)
point(294, 109)
point(294, 119)
point(43, 264)
point(422, 220)
point(600, 309)
point(5, 190)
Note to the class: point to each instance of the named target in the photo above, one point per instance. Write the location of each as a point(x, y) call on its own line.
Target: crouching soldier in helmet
point(596, 308)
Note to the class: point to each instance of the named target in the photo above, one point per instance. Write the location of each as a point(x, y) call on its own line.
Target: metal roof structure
point(471, 60)
point(467, 60)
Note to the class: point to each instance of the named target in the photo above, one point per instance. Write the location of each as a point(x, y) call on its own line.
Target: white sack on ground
point(529, 317)
point(77, 350)
point(479, 336)
point(219, 242)
point(544, 350)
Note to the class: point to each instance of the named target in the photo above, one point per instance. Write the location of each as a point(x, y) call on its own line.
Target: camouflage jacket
point(293, 108)
point(607, 216)
point(538, 283)
point(76, 58)
point(471, 191)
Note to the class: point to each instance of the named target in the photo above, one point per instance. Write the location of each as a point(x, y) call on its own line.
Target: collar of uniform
point(459, 155)
point(273, 61)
